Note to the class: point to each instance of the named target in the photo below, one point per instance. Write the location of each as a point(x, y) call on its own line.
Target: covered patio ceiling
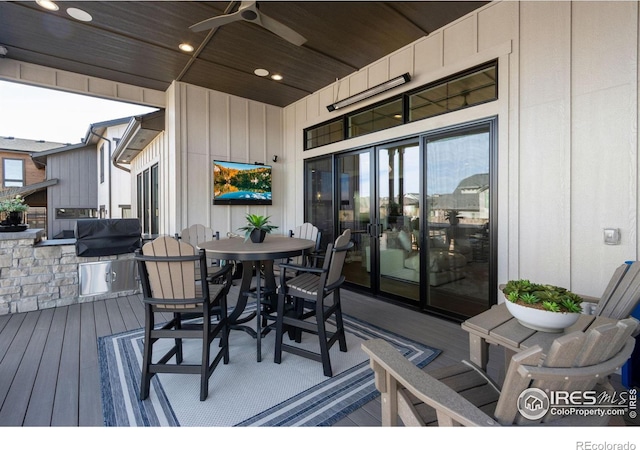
point(137, 42)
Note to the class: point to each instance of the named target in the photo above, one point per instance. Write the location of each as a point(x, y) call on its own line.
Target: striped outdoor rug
point(245, 392)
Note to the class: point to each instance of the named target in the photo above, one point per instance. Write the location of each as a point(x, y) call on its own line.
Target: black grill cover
point(102, 237)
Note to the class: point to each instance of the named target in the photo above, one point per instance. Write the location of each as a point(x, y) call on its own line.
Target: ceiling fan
point(249, 12)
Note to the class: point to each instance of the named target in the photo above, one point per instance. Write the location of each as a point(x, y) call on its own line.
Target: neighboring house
point(114, 183)
point(75, 195)
point(143, 132)
point(87, 184)
point(19, 174)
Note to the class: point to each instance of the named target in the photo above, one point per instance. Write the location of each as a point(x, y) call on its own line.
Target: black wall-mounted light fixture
point(394, 82)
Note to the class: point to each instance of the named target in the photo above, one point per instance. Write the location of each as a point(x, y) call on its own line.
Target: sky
point(28, 112)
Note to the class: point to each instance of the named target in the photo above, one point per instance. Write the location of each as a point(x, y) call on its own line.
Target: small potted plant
point(13, 209)
point(257, 228)
point(542, 306)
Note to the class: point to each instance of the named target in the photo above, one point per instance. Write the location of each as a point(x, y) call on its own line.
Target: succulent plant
point(542, 296)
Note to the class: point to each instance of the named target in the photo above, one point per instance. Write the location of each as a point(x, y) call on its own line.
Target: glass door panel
point(458, 238)
point(319, 197)
point(398, 206)
point(353, 173)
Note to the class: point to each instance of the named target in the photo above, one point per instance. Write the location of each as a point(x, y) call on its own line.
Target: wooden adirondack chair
point(621, 295)
point(196, 234)
point(311, 232)
point(464, 395)
point(171, 274)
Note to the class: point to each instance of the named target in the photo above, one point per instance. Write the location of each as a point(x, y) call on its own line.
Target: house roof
point(96, 130)
point(26, 145)
point(140, 132)
point(30, 188)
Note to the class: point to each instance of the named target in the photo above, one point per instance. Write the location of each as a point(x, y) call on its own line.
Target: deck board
point(65, 406)
point(40, 407)
point(115, 317)
point(89, 407)
point(27, 370)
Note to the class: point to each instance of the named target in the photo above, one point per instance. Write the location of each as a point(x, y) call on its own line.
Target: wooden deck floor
point(49, 372)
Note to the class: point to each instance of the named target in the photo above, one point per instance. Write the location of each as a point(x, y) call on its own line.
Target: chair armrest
point(300, 268)
point(224, 274)
point(589, 304)
point(589, 299)
point(388, 364)
point(222, 270)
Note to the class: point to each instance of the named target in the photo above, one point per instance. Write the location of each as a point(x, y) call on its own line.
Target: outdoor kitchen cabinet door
point(105, 277)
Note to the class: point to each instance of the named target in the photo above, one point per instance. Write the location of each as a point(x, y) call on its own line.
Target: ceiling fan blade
point(249, 12)
point(217, 21)
point(280, 29)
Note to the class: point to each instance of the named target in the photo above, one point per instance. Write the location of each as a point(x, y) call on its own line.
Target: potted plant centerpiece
point(542, 307)
point(13, 208)
point(257, 228)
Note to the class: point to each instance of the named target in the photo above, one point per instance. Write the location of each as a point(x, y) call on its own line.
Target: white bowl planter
point(541, 320)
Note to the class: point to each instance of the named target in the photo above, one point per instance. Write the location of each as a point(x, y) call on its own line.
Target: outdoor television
point(241, 183)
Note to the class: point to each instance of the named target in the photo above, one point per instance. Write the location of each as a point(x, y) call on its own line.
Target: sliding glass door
point(378, 199)
point(398, 223)
point(355, 212)
point(421, 214)
point(459, 213)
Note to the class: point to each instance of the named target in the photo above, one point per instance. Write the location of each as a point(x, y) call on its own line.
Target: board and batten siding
point(77, 186)
point(206, 125)
point(567, 129)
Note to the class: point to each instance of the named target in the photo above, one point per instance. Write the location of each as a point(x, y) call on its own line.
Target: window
point(102, 164)
point(148, 199)
point(380, 117)
point(13, 172)
point(462, 90)
point(324, 134)
point(76, 213)
point(472, 88)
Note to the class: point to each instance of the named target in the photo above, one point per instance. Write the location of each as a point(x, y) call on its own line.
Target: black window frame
point(405, 97)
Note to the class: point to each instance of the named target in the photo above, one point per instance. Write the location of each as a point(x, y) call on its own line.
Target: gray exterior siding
point(77, 188)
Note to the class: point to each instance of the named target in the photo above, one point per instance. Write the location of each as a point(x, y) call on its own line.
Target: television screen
point(241, 183)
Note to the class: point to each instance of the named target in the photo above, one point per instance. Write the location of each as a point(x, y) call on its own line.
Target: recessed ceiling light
point(48, 4)
point(186, 47)
point(261, 72)
point(79, 14)
point(276, 77)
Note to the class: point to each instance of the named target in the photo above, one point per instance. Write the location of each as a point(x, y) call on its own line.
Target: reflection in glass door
point(382, 212)
point(319, 197)
point(458, 194)
point(354, 211)
point(398, 207)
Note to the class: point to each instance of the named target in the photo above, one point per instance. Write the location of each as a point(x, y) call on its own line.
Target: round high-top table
point(261, 257)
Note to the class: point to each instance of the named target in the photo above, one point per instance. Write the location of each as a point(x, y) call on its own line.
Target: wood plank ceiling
point(137, 42)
